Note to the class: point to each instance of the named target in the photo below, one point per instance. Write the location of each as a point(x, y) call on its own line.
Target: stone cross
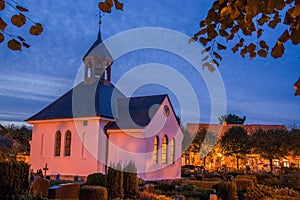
point(45, 170)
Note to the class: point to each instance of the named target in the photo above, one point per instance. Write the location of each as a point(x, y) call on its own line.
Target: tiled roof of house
point(221, 129)
point(84, 100)
point(136, 112)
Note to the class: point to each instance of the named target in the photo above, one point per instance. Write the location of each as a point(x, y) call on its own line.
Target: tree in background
point(235, 142)
point(294, 142)
point(232, 119)
point(270, 144)
point(14, 139)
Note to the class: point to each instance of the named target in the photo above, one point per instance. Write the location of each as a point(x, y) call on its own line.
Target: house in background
point(94, 125)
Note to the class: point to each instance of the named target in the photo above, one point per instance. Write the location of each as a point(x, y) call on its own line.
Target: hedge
point(14, 179)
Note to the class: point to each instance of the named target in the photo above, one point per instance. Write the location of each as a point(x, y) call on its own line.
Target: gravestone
point(40, 187)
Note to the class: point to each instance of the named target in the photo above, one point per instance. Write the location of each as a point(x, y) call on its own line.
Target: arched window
point(42, 146)
point(155, 150)
point(83, 145)
point(67, 143)
point(57, 143)
point(164, 150)
point(172, 159)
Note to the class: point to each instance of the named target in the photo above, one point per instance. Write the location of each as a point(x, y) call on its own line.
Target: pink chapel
point(94, 125)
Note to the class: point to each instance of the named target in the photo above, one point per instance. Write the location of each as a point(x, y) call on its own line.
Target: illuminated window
point(57, 143)
point(155, 150)
point(67, 143)
point(164, 150)
point(42, 146)
point(172, 159)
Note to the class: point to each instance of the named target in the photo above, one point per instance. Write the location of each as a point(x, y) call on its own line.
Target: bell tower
point(97, 61)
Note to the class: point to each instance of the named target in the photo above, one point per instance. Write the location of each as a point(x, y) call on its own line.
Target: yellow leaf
point(104, 7)
point(22, 9)
point(2, 5)
point(37, 29)
point(2, 24)
point(277, 50)
point(225, 11)
point(18, 20)
point(1, 37)
point(118, 5)
point(14, 45)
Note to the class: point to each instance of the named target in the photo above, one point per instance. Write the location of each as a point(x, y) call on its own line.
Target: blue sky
point(260, 89)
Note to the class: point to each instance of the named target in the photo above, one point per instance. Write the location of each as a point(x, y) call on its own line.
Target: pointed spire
point(99, 30)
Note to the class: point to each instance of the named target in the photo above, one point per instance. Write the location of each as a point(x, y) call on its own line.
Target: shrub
point(96, 179)
point(227, 190)
point(243, 183)
point(291, 180)
point(13, 179)
point(252, 177)
point(265, 192)
point(150, 196)
point(115, 182)
point(130, 180)
point(88, 192)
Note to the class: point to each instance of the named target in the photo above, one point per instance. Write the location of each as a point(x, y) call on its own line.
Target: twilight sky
point(260, 89)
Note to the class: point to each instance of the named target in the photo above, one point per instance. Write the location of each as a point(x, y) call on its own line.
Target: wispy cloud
point(32, 86)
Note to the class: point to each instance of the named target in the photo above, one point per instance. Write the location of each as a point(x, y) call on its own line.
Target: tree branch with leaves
point(19, 19)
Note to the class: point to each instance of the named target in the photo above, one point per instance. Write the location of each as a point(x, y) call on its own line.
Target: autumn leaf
point(259, 32)
point(296, 10)
point(277, 50)
point(211, 68)
point(36, 29)
point(295, 36)
point(223, 33)
point(203, 41)
point(14, 45)
point(221, 47)
point(194, 39)
point(2, 5)
point(215, 62)
point(285, 36)
point(104, 7)
point(22, 9)
point(264, 18)
point(3, 24)
point(118, 5)
point(18, 20)
point(234, 29)
point(217, 55)
point(263, 44)
point(109, 3)
point(1, 37)
point(235, 48)
point(205, 58)
point(262, 53)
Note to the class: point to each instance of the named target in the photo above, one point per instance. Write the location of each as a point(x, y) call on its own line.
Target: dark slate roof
point(98, 49)
point(136, 112)
point(84, 100)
